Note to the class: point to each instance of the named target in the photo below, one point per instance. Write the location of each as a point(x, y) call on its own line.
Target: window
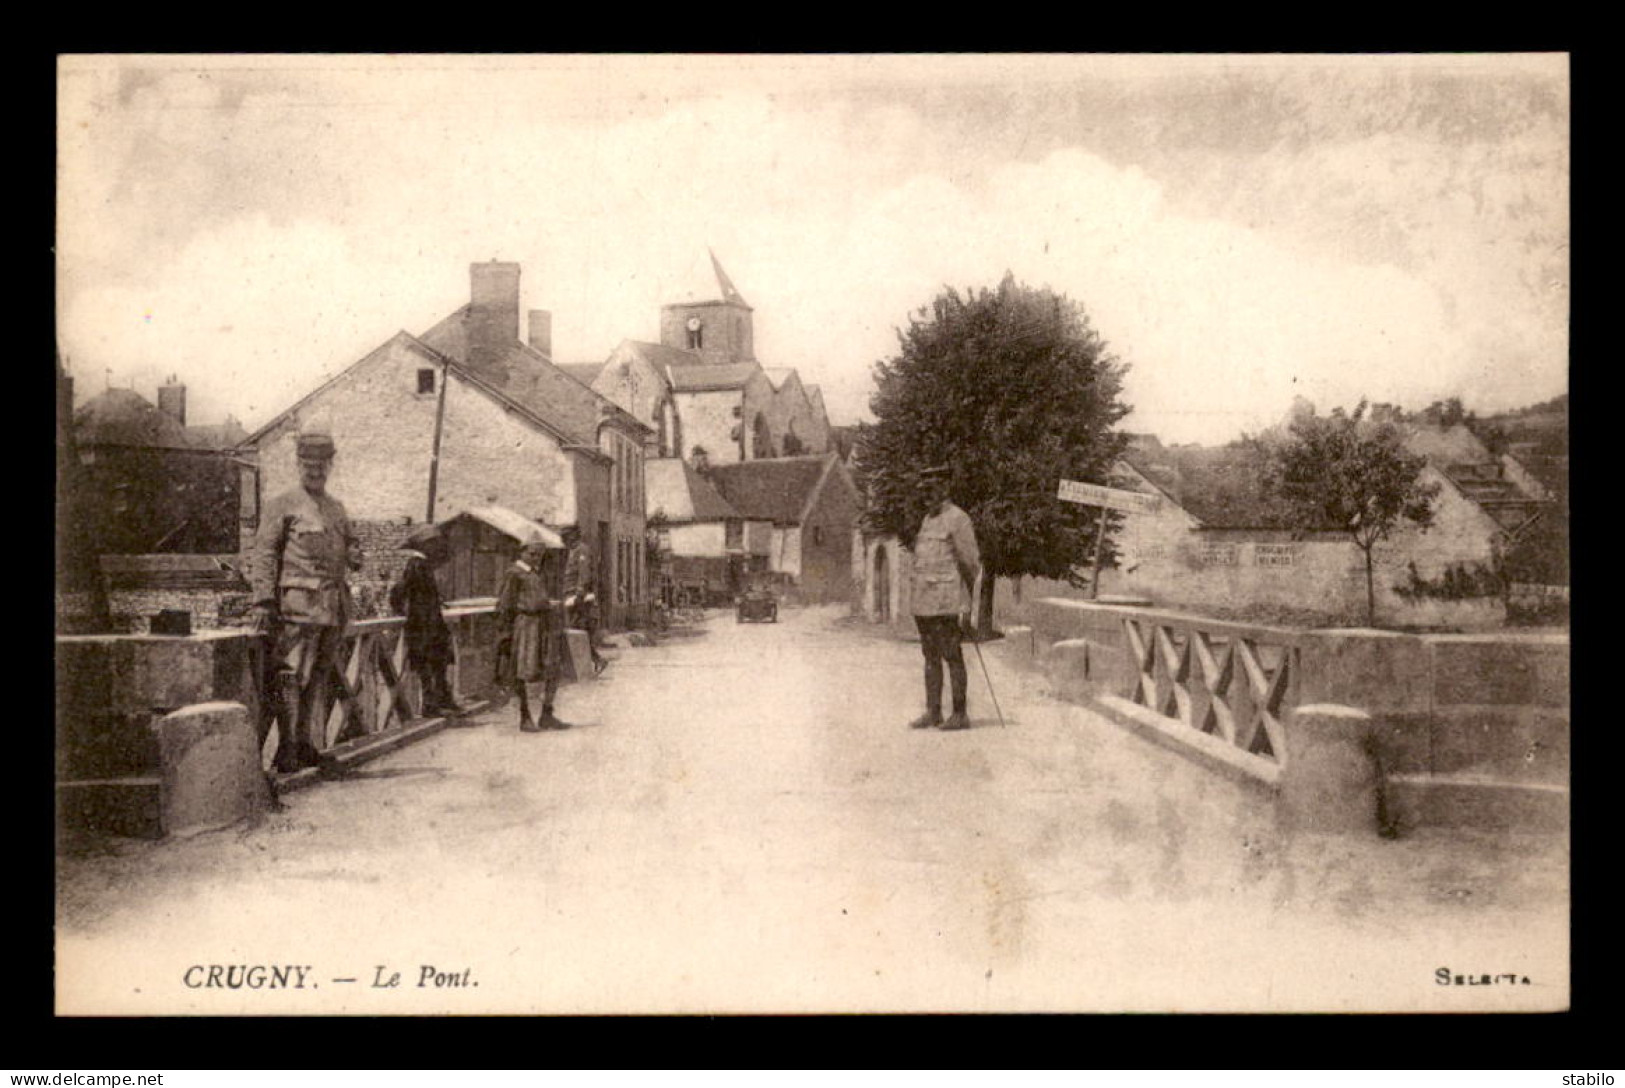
point(696, 338)
point(818, 535)
point(426, 380)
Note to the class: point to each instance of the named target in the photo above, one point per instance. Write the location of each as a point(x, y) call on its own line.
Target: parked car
point(757, 603)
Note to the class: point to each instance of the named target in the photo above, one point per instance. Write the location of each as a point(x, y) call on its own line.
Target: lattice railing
point(1231, 681)
point(374, 689)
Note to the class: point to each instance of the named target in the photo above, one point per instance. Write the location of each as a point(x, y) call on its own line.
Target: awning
point(513, 525)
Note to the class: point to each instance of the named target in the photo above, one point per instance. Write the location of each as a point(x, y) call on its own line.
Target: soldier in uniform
point(416, 596)
point(302, 556)
point(530, 619)
point(945, 561)
point(581, 593)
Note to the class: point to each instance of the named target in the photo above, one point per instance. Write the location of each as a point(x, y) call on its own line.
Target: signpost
point(1107, 498)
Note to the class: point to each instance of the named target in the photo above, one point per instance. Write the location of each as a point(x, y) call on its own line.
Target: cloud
point(316, 213)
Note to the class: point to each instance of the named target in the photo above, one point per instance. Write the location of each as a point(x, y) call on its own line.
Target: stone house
point(467, 415)
point(1216, 542)
point(812, 504)
point(711, 545)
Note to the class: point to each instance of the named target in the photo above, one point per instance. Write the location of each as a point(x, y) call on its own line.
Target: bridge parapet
point(112, 690)
point(1479, 715)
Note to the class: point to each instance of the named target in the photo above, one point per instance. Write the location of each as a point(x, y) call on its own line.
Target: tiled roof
point(1551, 470)
point(450, 335)
point(514, 525)
point(1222, 487)
point(535, 383)
point(664, 357)
point(1445, 445)
point(707, 379)
point(698, 379)
point(675, 489)
point(772, 489)
point(585, 373)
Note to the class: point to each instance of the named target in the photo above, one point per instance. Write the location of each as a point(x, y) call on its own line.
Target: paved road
point(741, 822)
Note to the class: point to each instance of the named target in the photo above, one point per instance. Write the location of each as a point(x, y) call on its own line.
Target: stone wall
point(758, 398)
point(898, 562)
point(629, 381)
point(792, 412)
point(826, 541)
point(709, 420)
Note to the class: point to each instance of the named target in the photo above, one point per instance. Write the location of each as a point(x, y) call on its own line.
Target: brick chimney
point(172, 400)
point(493, 317)
point(541, 332)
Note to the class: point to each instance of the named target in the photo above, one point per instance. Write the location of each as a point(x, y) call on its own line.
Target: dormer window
point(426, 380)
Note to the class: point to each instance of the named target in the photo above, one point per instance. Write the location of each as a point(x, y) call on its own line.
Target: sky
point(1241, 230)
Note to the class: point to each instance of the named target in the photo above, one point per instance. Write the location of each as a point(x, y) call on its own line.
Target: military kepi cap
point(315, 439)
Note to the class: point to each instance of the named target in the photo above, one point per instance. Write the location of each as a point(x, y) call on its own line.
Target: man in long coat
point(530, 622)
point(416, 596)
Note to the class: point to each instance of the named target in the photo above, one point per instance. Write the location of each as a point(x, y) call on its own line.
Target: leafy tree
point(1015, 390)
point(1447, 413)
point(1343, 472)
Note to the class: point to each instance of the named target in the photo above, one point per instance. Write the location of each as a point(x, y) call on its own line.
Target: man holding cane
point(945, 562)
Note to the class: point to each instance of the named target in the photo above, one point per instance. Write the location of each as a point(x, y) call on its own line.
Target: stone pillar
point(209, 768)
point(1066, 667)
point(1330, 778)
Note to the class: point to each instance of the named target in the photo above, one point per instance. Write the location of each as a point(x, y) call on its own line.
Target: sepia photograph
point(705, 534)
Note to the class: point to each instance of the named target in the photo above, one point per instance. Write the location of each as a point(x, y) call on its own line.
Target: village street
point(742, 822)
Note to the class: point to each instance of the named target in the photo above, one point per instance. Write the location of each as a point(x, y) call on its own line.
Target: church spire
point(730, 293)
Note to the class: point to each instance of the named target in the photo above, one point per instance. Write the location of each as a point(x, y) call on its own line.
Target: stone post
point(209, 768)
point(1330, 777)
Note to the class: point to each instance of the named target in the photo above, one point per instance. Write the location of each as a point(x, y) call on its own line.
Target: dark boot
point(439, 701)
point(929, 720)
point(526, 725)
point(550, 721)
point(956, 720)
point(290, 746)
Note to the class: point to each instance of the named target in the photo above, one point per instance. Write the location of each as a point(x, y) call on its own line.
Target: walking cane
point(977, 646)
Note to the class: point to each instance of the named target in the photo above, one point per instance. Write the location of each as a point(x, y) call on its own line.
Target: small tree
point(1343, 472)
point(1015, 390)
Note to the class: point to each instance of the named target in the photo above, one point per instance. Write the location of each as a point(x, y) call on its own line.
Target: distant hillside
point(1539, 430)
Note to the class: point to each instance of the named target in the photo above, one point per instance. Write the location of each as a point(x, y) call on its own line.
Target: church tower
point(717, 328)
